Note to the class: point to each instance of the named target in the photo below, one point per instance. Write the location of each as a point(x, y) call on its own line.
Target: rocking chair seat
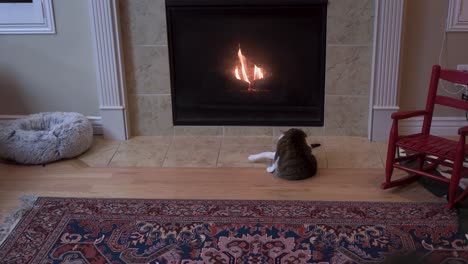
point(431, 145)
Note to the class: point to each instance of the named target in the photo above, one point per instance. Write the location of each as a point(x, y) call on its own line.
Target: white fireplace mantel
point(109, 68)
point(111, 79)
point(385, 66)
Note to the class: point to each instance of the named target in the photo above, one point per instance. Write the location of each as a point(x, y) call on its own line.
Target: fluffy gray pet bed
point(45, 137)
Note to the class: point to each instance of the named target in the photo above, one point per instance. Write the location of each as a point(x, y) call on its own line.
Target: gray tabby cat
point(293, 159)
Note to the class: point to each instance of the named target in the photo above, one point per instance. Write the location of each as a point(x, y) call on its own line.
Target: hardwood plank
point(70, 179)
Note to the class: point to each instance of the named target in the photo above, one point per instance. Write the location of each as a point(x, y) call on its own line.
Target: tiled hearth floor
point(181, 151)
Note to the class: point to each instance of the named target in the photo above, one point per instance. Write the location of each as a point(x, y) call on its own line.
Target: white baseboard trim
point(96, 122)
point(114, 124)
point(441, 126)
point(381, 122)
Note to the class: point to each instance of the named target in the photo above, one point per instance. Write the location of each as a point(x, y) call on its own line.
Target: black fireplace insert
point(238, 62)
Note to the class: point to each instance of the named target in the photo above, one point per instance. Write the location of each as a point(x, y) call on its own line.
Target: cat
point(293, 159)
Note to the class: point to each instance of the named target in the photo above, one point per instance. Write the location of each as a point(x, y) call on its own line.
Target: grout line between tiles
point(326, 155)
point(113, 155)
point(219, 153)
point(382, 159)
point(167, 151)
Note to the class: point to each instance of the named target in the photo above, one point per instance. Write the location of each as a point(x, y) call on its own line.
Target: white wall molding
point(388, 24)
point(109, 67)
point(441, 126)
point(96, 121)
point(457, 17)
point(27, 18)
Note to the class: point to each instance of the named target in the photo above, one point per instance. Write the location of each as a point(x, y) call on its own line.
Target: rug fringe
point(12, 219)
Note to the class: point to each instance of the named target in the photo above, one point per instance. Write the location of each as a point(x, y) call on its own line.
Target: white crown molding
point(96, 121)
point(441, 126)
point(109, 67)
point(21, 22)
point(388, 24)
point(457, 17)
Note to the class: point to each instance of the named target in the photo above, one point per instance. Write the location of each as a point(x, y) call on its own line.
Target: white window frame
point(27, 18)
point(457, 18)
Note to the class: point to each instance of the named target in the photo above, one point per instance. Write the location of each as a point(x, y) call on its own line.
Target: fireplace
point(238, 62)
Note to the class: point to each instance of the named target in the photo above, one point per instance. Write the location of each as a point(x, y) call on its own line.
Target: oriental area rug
point(76, 230)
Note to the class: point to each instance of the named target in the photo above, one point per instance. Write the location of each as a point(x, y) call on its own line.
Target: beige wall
point(50, 72)
point(424, 28)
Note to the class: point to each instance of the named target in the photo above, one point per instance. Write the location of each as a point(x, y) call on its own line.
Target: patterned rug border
point(337, 218)
point(240, 200)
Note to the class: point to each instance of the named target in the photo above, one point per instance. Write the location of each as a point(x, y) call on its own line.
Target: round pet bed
point(45, 137)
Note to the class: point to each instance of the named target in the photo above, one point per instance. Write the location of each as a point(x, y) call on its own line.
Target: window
point(26, 17)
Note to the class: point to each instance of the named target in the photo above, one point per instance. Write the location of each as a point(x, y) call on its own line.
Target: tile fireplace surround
point(350, 25)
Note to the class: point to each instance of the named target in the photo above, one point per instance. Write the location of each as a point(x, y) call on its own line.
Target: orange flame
point(243, 62)
point(236, 72)
point(257, 71)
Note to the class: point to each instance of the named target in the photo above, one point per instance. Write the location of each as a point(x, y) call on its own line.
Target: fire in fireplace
point(239, 62)
point(241, 72)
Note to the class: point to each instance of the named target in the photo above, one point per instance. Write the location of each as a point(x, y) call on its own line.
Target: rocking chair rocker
point(427, 147)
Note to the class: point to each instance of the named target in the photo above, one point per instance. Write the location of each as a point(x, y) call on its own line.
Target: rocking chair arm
point(408, 114)
point(463, 131)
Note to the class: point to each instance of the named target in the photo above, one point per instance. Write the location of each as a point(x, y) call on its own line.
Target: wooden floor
point(75, 179)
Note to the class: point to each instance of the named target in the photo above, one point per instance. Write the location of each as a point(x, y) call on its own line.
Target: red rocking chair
point(427, 147)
